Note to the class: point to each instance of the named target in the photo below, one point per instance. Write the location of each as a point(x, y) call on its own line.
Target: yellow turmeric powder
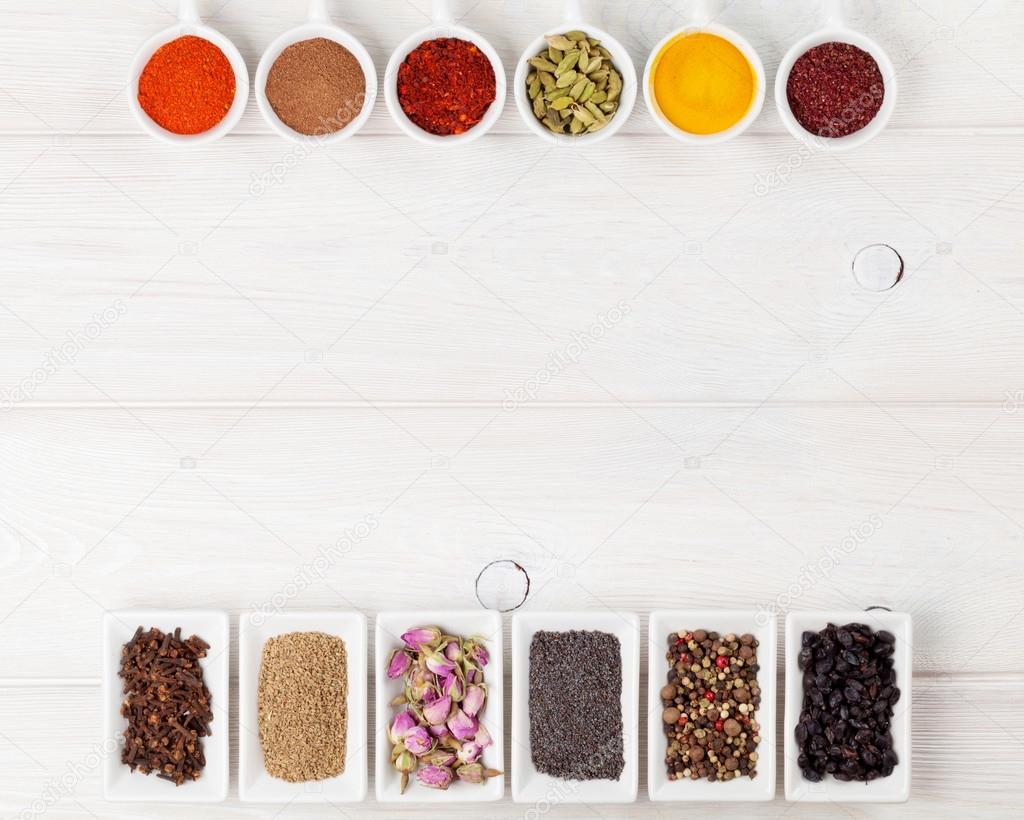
point(702, 83)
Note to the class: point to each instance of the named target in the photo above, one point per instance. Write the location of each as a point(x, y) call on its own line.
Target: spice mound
point(835, 90)
point(302, 709)
point(850, 690)
point(703, 83)
point(445, 86)
point(316, 86)
point(710, 706)
point(574, 88)
point(166, 703)
point(438, 735)
point(188, 86)
point(576, 730)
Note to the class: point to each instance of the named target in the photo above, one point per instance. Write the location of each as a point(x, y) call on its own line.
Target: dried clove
point(166, 704)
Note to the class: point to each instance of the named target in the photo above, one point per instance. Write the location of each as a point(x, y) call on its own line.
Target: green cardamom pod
point(583, 115)
point(567, 79)
point(614, 86)
point(568, 63)
point(543, 64)
point(563, 43)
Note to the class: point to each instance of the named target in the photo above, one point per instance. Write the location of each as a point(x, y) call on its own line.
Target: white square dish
point(764, 627)
point(255, 785)
point(485, 624)
point(892, 789)
point(120, 784)
point(531, 786)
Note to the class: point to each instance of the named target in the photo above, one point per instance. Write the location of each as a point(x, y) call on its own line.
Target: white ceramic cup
point(443, 25)
point(704, 23)
point(620, 59)
point(836, 31)
point(318, 24)
point(189, 24)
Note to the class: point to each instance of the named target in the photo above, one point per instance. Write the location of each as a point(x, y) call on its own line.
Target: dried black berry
point(849, 696)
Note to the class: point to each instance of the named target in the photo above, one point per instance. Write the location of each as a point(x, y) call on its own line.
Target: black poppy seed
point(576, 730)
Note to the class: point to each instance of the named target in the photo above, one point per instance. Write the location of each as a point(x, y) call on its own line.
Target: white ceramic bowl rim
point(145, 53)
point(309, 31)
point(407, 46)
point(747, 50)
point(620, 59)
point(836, 33)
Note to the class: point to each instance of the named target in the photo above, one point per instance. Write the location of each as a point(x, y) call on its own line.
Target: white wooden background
point(341, 344)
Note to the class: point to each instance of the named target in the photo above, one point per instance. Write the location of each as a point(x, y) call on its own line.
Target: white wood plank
point(432, 277)
point(621, 508)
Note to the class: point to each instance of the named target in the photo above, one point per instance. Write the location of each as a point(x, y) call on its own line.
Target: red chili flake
point(835, 89)
point(446, 85)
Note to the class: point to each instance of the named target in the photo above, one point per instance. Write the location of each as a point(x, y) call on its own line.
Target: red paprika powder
point(187, 86)
point(446, 85)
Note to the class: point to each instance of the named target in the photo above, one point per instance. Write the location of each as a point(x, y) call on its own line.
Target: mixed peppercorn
point(710, 705)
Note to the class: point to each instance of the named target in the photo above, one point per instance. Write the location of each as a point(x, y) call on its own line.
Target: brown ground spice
point(835, 89)
point(302, 708)
point(316, 86)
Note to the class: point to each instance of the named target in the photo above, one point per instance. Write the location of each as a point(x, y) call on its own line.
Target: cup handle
point(834, 12)
point(188, 12)
point(443, 15)
point(703, 12)
point(573, 11)
point(318, 11)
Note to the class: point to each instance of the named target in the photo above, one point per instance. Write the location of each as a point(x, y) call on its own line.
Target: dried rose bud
point(471, 773)
point(439, 664)
point(440, 757)
point(422, 636)
point(453, 687)
point(477, 652)
point(404, 723)
point(462, 726)
point(406, 762)
point(398, 664)
point(483, 737)
point(435, 777)
point(474, 700)
point(470, 752)
point(436, 713)
point(418, 741)
point(453, 651)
